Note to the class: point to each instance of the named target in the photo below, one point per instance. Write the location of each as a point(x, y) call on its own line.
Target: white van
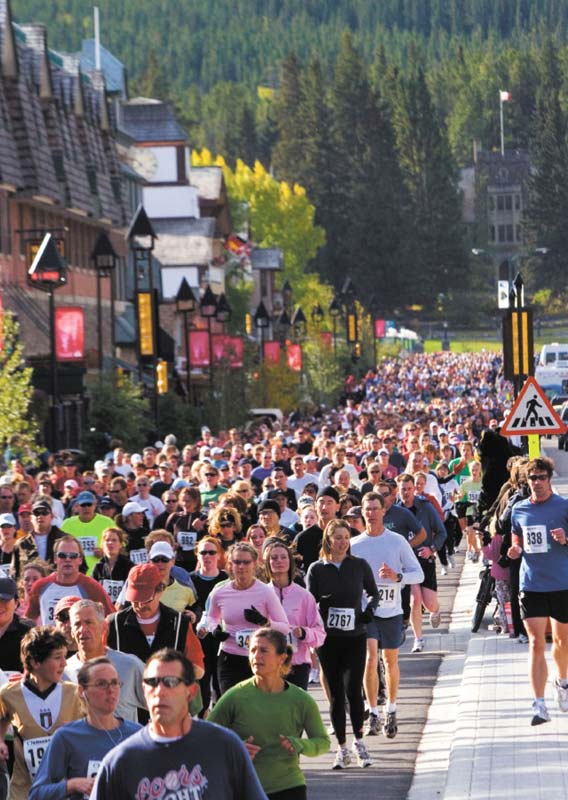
point(551, 371)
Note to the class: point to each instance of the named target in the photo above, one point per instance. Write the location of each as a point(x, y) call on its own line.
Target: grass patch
point(463, 345)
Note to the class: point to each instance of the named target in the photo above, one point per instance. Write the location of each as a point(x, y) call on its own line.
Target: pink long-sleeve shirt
point(227, 604)
point(301, 609)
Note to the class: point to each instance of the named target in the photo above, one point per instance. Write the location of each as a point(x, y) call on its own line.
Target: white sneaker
point(373, 726)
point(418, 646)
point(361, 753)
point(342, 758)
point(443, 571)
point(540, 713)
point(314, 676)
point(561, 696)
point(451, 562)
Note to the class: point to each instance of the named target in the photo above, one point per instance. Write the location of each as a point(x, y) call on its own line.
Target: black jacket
point(125, 634)
point(10, 644)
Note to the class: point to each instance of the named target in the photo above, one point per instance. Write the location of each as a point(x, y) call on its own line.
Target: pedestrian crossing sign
point(532, 413)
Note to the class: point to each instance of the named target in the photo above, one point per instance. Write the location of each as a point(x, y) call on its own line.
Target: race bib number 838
point(535, 539)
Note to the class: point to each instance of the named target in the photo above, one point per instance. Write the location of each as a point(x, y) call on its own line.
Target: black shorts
point(545, 604)
point(429, 568)
point(461, 508)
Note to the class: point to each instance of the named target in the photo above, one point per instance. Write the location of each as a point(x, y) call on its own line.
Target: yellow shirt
point(178, 596)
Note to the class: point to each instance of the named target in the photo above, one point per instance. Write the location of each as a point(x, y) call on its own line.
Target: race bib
point(187, 539)
point(534, 539)
point(4, 570)
point(473, 497)
point(33, 753)
point(88, 543)
point(138, 556)
point(389, 595)
point(341, 619)
point(242, 638)
point(93, 768)
point(113, 589)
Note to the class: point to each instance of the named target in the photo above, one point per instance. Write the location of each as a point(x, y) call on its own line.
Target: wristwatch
point(399, 577)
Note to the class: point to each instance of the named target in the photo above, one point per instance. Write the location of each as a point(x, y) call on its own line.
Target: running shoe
point(361, 753)
point(373, 726)
point(418, 646)
point(451, 562)
point(435, 618)
point(475, 557)
point(342, 758)
point(390, 727)
point(443, 571)
point(522, 639)
point(314, 676)
point(561, 696)
point(540, 713)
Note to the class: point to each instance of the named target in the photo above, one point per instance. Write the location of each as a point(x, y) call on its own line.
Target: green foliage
point(121, 411)
point(275, 386)
point(18, 425)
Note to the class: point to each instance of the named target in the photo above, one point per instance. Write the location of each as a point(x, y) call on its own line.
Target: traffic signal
point(162, 376)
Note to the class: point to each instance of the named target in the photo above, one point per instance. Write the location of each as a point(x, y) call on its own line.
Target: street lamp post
point(186, 305)
point(104, 261)
point(335, 310)
point(208, 310)
point(261, 323)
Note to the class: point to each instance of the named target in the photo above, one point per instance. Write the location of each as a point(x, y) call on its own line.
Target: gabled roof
point(147, 120)
point(184, 242)
point(113, 70)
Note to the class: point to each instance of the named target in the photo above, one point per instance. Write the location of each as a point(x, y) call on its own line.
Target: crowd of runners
point(215, 581)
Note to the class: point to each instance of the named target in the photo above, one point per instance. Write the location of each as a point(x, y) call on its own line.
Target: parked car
point(563, 437)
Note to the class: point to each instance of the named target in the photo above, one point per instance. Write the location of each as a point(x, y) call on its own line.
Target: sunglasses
point(172, 500)
point(207, 552)
point(160, 560)
point(141, 484)
point(41, 513)
point(85, 505)
point(114, 491)
point(541, 477)
point(210, 474)
point(114, 683)
point(63, 616)
point(240, 562)
point(72, 556)
point(227, 524)
point(169, 681)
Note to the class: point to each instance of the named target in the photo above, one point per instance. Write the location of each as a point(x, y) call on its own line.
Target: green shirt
point(89, 534)
point(211, 495)
point(251, 712)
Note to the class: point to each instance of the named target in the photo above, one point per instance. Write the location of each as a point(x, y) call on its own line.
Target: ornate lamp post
point(261, 323)
point(208, 310)
point(186, 305)
point(335, 311)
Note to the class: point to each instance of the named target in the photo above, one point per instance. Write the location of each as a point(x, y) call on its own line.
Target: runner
point(394, 565)
point(539, 528)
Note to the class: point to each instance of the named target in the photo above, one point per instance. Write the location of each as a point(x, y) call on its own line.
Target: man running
point(539, 526)
point(393, 564)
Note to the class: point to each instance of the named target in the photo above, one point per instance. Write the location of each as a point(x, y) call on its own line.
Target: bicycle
point(485, 594)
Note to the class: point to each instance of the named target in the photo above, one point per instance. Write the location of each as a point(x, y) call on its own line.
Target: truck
point(551, 371)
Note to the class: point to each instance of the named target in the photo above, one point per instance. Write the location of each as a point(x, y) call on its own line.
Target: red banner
point(199, 348)
point(69, 333)
point(271, 352)
point(228, 349)
point(295, 357)
point(380, 328)
point(326, 338)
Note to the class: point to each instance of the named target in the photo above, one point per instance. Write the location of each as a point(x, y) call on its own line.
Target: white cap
point(161, 549)
point(132, 508)
point(7, 519)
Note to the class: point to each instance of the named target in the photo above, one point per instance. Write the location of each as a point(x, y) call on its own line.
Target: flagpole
point(501, 118)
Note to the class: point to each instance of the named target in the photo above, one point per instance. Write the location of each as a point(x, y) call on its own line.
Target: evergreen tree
point(288, 120)
point(18, 426)
point(545, 222)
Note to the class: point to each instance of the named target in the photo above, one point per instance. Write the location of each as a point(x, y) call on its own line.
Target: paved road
point(392, 773)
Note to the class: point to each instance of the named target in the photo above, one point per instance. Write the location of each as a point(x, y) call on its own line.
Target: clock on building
point(144, 162)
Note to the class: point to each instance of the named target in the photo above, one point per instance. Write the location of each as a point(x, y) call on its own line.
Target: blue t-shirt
point(544, 566)
point(401, 520)
point(76, 750)
point(208, 763)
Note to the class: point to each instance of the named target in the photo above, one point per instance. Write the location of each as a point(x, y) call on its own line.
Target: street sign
point(532, 413)
point(502, 294)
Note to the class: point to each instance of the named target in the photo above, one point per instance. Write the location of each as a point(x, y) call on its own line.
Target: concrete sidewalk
point(478, 743)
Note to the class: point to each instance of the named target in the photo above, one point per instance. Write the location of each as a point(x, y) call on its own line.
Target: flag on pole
point(504, 96)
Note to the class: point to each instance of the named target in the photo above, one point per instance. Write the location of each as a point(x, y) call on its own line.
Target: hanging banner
point(326, 338)
point(228, 350)
point(294, 353)
point(271, 352)
point(380, 328)
point(69, 333)
point(199, 348)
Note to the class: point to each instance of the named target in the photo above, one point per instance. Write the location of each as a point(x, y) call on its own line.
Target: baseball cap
point(71, 484)
point(442, 432)
point(305, 500)
point(161, 549)
point(273, 493)
point(8, 589)
point(64, 603)
point(106, 502)
point(142, 582)
point(25, 508)
point(41, 505)
point(5, 480)
point(310, 457)
point(85, 497)
point(7, 519)
point(383, 451)
point(135, 458)
point(132, 508)
point(269, 505)
point(247, 446)
point(217, 451)
point(356, 512)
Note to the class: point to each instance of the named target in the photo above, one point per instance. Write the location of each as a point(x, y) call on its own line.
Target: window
point(501, 233)
point(510, 233)
point(517, 202)
point(491, 202)
point(500, 202)
point(508, 202)
point(492, 233)
point(519, 233)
